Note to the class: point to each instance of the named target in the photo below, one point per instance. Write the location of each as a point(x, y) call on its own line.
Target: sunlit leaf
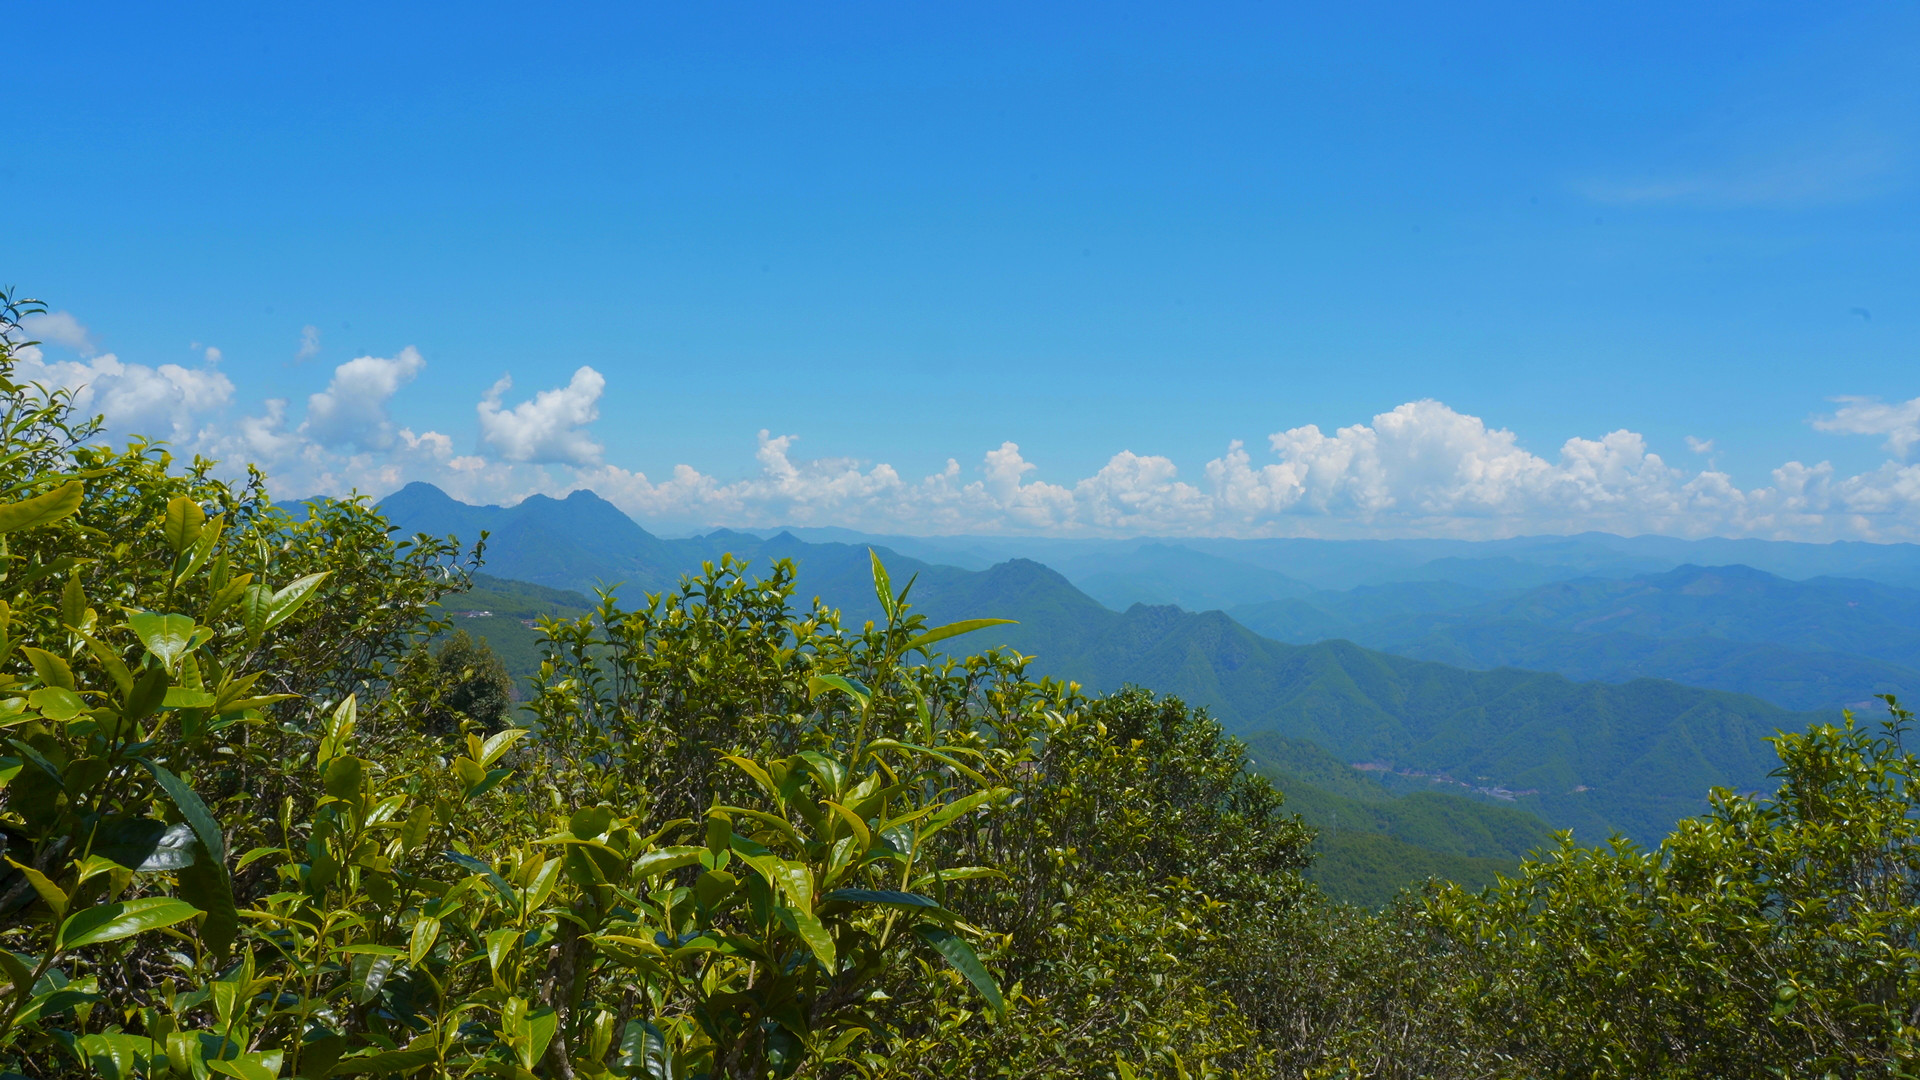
point(289, 600)
point(41, 509)
point(955, 629)
point(167, 637)
point(820, 684)
point(182, 523)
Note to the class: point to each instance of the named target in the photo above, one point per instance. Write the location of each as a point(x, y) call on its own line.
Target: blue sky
point(912, 233)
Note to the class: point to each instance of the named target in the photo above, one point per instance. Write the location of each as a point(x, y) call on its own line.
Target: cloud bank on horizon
point(1419, 469)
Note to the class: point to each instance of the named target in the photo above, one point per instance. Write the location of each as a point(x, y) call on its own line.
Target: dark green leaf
point(111, 922)
point(477, 866)
point(889, 898)
point(212, 840)
point(961, 956)
point(590, 822)
point(643, 1052)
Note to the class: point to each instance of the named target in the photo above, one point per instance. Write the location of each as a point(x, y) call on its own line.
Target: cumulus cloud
point(59, 328)
point(163, 402)
point(353, 407)
point(1899, 422)
point(1419, 469)
point(549, 428)
point(309, 344)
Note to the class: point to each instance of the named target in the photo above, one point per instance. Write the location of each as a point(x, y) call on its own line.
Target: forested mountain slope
point(1589, 756)
point(1371, 843)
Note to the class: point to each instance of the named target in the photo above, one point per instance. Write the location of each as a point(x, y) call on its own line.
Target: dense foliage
point(264, 817)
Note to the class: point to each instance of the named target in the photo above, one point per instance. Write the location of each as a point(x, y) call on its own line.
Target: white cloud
point(309, 344)
point(549, 428)
point(164, 402)
point(1421, 469)
point(59, 328)
point(1899, 422)
point(353, 407)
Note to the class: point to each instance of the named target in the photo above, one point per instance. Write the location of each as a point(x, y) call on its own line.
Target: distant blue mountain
point(1818, 643)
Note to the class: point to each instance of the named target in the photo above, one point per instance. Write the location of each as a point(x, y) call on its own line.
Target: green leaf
point(182, 523)
point(57, 703)
point(116, 1055)
point(39, 761)
point(541, 1024)
point(110, 660)
point(420, 1052)
point(111, 922)
point(370, 973)
point(256, 603)
point(955, 629)
point(418, 827)
point(795, 880)
point(73, 603)
point(179, 697)
point(499, 744)
point(882, 585)
point(149, 693)
point(590, 822)
point(205, 885)
point(259, 1065)
point(54, 895)
point(167, 637)
point(51, 670)
point(662, 860)
point(963, 959)
point(643, 1052)
point(41, 509)
point(18, 971)
point(820, 684)
point(807, 925)
point(340, 725)
point(344, 776)
point(425, 932)
point(476, 866)
point(202, 549)
point(905, 901)
point(212, 840)
point(499, 944)
point(288, 600)
point(144, 843)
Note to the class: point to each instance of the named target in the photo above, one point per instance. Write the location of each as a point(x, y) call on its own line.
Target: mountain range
point(1594, 756)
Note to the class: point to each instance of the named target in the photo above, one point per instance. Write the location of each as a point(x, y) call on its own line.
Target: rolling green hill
point(1373, 843)
point(503, 611)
